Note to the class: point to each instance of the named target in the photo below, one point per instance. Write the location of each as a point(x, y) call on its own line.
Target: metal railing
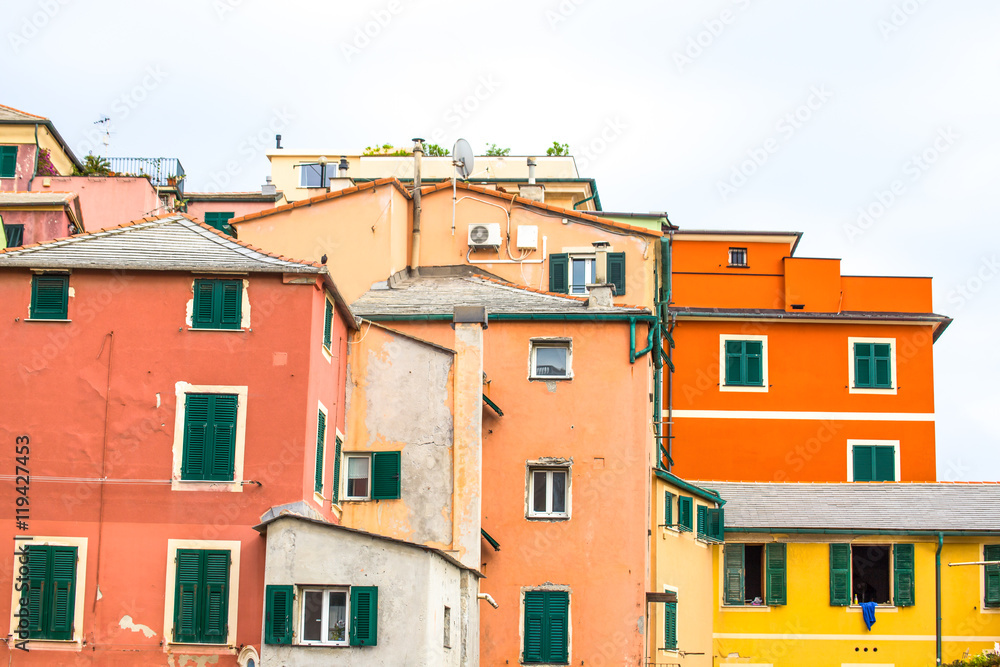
point(163, 172)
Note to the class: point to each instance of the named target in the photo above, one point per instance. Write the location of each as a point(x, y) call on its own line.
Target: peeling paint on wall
point(127, 624)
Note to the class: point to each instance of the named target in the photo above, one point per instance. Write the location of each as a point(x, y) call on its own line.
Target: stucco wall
point(39, 224)
point(106, 201)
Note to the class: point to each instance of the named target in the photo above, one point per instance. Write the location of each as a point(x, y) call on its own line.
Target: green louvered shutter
point(881, 365)
point(864, 463)
point(991, 552)
point(616, 271)
point(733, 565)
point(63, 569)
point(734, 362)
point(840, 575)
point(684, 513)
point(196, 436)
point(670, 626)
point(219, 220)
point(187, 615)
point(203, 313)
point(49, 297)
point(702, 521)
point(336, 472)
point(753, 360)
point(668, 508)
point(216, 597)
point(8, 161)
point(38, 566)
point(902, 567)
point(863, 364)
point(559, 273)
point(328, 325)
point(385, 475)
point(278, 614)
point(534, 622)
point(884, 461)
point(230, 303)
point(777, 587)
point(557, 632)
point(320, 443)
point(717, 524)
point(364, 616)
point(225, 409)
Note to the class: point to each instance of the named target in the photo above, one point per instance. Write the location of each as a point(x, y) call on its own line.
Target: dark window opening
point(870, 574)
point(14, 234)
point(737, 257)
point(753, 585)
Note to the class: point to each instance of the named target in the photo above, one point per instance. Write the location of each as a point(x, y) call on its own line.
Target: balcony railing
point(163, 172)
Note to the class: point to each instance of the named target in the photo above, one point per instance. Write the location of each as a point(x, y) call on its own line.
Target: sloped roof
point(337, 194)
point(854, 506)
point(36, 198)
point(9, 114)
point(438, 295)
point(168, 243)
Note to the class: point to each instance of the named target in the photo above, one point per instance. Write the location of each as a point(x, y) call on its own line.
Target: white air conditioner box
point(527, 237)
point(485, 234)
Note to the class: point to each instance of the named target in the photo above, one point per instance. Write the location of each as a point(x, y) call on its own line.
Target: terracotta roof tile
point(324, 197)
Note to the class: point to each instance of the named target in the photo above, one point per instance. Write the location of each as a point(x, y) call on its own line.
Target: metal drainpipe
point(584, 201)
point(937, 565)
point(663, 313)
point(418, 152)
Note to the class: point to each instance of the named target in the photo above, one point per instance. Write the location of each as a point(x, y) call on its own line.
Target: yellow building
point(801, 560)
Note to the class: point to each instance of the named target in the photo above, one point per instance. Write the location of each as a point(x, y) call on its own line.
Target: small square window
point(324, 616)
point(312, 175)
point(374, 476)
point(737, 257)
point(358, 477)
point(548, 493)
point(873, 460)
point(50, 297)
point(14, 235)
point(8, 161)
point(551, 360)
point(218, 304)
point(743, 363)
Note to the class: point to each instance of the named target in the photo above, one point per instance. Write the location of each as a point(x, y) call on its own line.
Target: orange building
point(788, 371)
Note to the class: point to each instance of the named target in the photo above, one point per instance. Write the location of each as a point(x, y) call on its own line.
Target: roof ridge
point(4, 106)
point(370, 185)
point(243, 244)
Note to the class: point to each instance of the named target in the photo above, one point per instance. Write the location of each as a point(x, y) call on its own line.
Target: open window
point(755, 574)
point(879, 573)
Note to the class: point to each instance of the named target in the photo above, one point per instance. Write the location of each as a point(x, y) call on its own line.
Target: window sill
point(74, 645)
point(199, 649)
point(744, 387)
point(237, 330)
point(548, 517)
point(205, 485)
point(746, 607)
point(882, 607)
point(42, 319)
point(318, 645)
point(549, 378)
point(737, 266)
point(885, 391)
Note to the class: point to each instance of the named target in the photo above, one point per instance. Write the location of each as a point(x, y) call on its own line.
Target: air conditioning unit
point(484, 235)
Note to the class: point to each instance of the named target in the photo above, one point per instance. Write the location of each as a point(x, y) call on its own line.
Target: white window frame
point(746, 257)
point(722, 364)
point(878, 443)
point(892, 367)
point(76, 643)
point(563, 343)
point(346, 468)
point(542, 467)
point(581, 290)
point(233, 547)
point(892, 573)
point(178, 484)
point(324, 624)
point(331, 168)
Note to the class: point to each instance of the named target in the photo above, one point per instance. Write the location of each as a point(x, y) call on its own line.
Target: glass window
point(357, 476)
point(312, 175)
point(548, 493)
point(550, 359)
point(324, 616)
point(581, 274)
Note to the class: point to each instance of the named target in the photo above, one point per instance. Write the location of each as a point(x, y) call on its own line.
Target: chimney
point(277, 141)
point(531, 170)
point(418, 153)
point(533, 191)
point(601, 293)
point(343, 166)
point(268, 188)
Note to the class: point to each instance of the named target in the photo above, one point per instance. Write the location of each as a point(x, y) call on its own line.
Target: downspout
point(584, 201)
point(937, 572)
point(663, 311)
point(31, 179)
point(418, 152)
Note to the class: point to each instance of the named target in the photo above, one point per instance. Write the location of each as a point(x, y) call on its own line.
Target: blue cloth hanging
point(868, 612)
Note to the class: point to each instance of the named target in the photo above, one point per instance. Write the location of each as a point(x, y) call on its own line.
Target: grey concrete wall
point(414, 586)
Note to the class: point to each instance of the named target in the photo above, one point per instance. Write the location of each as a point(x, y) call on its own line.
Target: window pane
point(558, 491)
point(357, 476)
point(538, 480)
point(337, 616)
point(312, 616)
point(550, 361)
point(312, 175)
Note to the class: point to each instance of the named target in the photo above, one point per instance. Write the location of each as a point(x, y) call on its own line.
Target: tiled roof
point(438, 295)
point(231, 196)
point(371, 185)
point(848, 506)
point(167, 243)
point(36, 198)
point(12, 114)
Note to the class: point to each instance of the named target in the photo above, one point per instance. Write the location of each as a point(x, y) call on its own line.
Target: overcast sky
point(736, 114)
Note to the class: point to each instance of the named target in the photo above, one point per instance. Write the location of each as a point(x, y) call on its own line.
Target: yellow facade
point(25, 134)
point(808, 630)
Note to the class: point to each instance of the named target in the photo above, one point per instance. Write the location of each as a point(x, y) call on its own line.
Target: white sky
point(659, 101)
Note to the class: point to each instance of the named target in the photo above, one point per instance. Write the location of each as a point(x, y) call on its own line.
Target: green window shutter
point(559, 273)
point(364, 616)
point(336, 473)
point(840, 575)
point(864, 463)
point(702, 521)
point(753, 361)
point(385, 475)
point(278, 614)
point(216, 597)
point(777, 587)
point(557, 632)
point(884, 462)
point(187, 615)
point(716, 524)
point(328, 324)
point(534, 622)
point(49, 297)
point(863, 363)
point(733, 559)
point(684, 513)
point(203, 315)
point(616, 271)
point(218, 304)
point(670, 626)
point(219, 220)
point(320, 442)
point(196, 418)
point(38, 572)
point(734, 362)
point(230, 303)
point(882, 365)
point(63, 571)
point(8, 161)
point(209, 437)
point(992, 574)
point(225, 409)
point(902, 567)
point(668, 508)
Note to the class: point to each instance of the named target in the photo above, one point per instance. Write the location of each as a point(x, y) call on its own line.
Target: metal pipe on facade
point(937, 574)
point(418, 152)
point(531, 170)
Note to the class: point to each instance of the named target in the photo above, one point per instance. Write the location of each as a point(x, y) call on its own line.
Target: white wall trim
point(722, 363)
point(233, 547)
point(850, 366)
point(881, 443)
point(817, 637)
point(182, 388)
point(817, 416)
point(76, 643)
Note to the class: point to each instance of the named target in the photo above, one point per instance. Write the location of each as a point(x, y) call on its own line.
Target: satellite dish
point(463, 158)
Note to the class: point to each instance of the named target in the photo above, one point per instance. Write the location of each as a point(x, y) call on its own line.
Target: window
point(668, 509)
point(324, 617)
point(755, 574)
point(51, 591)
point(551, 359)
point(329, 616)
point(218, 304)
point(991, 576)
point(880, 573)
point(548, 493)
point(336, 471)
point(313, 176)
point(447, 627)
point(744, 363)
point(376, 476)
point(8, 161)
point(220, 220)
point(570, 273)
point(328, 325)
point(872, 367)
point(209, 437)
point(737, 257)
point(320, 446)
point(670, 626)
point(546, 627)
point(201, 596)
point(873, 460)
point(49, 296)
point(684, 510)
point(710, 523)
point(14, 235)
